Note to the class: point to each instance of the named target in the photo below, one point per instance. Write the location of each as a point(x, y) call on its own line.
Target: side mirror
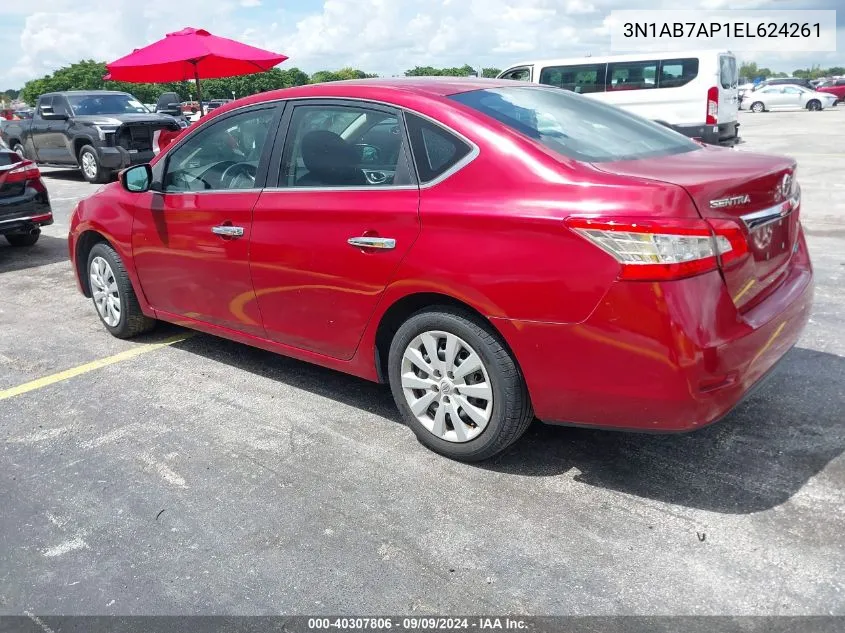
point(137, 179)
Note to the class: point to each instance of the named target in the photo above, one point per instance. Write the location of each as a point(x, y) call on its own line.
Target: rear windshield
point(576, 127)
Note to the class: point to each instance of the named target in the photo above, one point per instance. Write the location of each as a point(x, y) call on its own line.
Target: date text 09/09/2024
point(421, 623)
point(721, 29)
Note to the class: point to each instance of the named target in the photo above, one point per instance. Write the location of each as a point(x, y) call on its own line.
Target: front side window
point(223, 156)
point(344, 146)
point(576, 127)
point(518, 74)
point(582, 79)
point(436, 150)
point(632, 75)
point(105, 104)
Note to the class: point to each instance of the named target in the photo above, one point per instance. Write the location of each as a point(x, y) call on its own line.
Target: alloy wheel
point(447, 386)
point(89, 165)
point(104, 291)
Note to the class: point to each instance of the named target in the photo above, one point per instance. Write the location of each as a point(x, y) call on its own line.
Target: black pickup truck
point(98, 131)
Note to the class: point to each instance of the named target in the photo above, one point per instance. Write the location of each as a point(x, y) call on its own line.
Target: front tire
point(23, 239)
point(758, 107)
point(17, 148)
point(457, 386)
point(91, 168)
point(814, 106)
point(113, 296)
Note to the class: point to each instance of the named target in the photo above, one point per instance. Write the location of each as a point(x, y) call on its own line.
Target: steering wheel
point(239, 176)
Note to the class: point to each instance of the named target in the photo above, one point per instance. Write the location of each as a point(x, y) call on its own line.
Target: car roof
point(84, 92)
point(398, 90)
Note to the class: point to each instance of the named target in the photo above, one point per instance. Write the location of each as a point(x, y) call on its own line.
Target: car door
point(328, 237)
point(793, 97)
point(190, 237)
point(55, 139)
point(774, 97)
point(40, 130)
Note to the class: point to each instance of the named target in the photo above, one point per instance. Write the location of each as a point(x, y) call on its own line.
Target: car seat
point(330, 161)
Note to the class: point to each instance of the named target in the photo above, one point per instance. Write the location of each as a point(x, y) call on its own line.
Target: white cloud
point(383, 36)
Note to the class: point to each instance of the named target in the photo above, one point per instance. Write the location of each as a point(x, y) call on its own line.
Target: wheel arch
point(78, 143)
point(404, 307)
point(84, 243)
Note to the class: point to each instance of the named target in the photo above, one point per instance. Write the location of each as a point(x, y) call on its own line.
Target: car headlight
point(102, 130)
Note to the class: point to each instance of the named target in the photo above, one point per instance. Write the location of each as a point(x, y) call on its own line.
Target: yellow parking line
point(96, 364)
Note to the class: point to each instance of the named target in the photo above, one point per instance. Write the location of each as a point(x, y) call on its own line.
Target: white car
point(786, 97)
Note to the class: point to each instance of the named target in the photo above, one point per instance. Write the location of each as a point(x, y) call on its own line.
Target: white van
point(694, 92)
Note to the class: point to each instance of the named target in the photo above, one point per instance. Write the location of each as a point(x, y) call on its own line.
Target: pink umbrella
point(191, 54)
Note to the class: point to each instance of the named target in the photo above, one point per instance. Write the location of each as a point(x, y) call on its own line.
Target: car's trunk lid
point(753, 190)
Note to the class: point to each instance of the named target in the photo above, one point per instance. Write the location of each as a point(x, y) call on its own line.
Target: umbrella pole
point(199, 93)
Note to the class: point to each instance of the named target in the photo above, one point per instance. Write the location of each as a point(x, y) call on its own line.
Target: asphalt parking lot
point(204, 476)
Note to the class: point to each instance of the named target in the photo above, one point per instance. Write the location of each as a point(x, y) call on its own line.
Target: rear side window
point(632, 75)
point(576, 127)
point(435, 149)
point(581, 79)
point(677, 72)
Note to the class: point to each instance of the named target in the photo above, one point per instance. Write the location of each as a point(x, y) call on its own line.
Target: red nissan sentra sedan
point(492, 250)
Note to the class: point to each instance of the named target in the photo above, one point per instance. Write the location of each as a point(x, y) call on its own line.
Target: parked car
point(835, 87)
point(425, 232)
point(216, 103)
point(24, 202)
point(99, 131)
point(784, 81)
point(787, 97)
point(168, 103)
point(693, 92)
point(190, 107)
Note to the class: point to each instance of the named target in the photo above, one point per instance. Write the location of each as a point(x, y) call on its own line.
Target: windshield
point(575, 126)
point(105, 104)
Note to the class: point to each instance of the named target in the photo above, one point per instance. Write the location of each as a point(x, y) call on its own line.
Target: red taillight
point(657, 250)
point(20, 172)
point(712, 106)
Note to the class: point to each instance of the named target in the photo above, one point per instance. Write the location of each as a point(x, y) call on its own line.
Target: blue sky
point(382, 36)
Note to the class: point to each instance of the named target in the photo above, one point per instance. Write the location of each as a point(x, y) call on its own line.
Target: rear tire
point(23, 239)
point(814, 106)
point(499, 407)
point(91, 168)
point(758, 107)
point(109, 283)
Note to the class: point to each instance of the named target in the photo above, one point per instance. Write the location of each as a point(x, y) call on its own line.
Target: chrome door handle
point(228, 230)
point(384, 243)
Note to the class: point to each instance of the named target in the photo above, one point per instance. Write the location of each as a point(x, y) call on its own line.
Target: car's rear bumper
point(25, 212)
point(724, 134)
point(670, 356)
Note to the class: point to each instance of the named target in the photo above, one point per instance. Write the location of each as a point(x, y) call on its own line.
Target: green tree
point(490, 73)
point(430, 71)
point(339, 75)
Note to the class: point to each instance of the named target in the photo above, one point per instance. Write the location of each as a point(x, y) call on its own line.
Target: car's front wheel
point(113, 295)
point(17, 148)
point(757, 106)
point(814, 106)
point(91, 168)
point(457, 385)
